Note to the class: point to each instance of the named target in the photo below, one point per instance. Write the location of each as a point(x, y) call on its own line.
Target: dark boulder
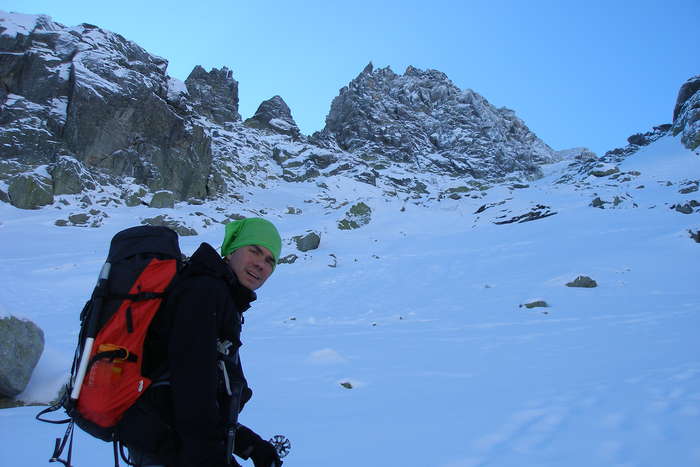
point(21, 345)
point(307, 242)
point(638, 139)
point(583, 282)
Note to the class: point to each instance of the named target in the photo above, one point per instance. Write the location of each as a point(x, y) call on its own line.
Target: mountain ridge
point(84, 109)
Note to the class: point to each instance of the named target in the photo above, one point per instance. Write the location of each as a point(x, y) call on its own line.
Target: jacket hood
point(206, 260)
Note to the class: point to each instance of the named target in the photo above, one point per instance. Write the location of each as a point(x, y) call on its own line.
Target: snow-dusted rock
point(537, 212)
point(166, 221)
point(358, 215)
point(289, 259)
point(580, 153)
point(98, 110)
point(607, 165)
point(214, 94)
point(162, 199)
point(21, 345)
point(421, 119)
point(91, 94)
point(69, 176)
point(604, 170)
point(274, 115)
point(686, 114)
point(177, 93)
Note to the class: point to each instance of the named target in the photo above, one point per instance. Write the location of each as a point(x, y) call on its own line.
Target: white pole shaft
point(78, 383)
point(91, 332)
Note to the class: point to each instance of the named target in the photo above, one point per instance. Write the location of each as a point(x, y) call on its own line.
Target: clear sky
point(579, 73)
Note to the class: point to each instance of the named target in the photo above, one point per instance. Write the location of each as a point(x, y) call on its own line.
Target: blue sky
point(578, 73)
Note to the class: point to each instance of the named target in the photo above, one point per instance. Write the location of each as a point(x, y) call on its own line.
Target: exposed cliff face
point(91, 94)
point(421, 118)
point(686, 114)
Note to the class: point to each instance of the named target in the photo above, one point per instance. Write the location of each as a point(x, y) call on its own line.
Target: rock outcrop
point(98, 99)
point(357, 216)
point(162, 199)
point(30, 191)
point(606, 166)
point(214, 94)
point(274, 115)
point(686, 114)
point(422, 119)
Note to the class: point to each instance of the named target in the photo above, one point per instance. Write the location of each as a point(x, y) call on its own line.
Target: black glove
point(265, 455)
point(250, 445)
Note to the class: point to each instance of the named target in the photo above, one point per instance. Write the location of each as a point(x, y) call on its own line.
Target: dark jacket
point(204, 309)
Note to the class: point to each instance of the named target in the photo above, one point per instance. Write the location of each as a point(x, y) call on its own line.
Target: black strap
point(136, 297)
point(115, 446)
point(53, 408)
point(235, 391)
point(61, 445)
point(123, 455)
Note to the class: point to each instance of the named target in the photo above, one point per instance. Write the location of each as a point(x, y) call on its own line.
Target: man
point(192, 355)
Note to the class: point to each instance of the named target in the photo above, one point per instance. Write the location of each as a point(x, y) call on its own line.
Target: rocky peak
point(274, 115)
point(687, 90)
point(91, 95)
point(214, 94)
point(686, 113)
point(421, 118)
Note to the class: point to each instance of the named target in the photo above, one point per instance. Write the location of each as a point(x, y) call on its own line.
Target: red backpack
point(106, 377)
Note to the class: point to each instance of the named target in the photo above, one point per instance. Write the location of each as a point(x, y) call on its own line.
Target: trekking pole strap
point(61, 445)
point(53, 408)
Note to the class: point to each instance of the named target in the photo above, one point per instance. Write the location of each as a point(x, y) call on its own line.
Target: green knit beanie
point(252, 231)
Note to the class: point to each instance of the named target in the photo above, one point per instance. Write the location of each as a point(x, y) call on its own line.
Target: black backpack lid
point(144, 239)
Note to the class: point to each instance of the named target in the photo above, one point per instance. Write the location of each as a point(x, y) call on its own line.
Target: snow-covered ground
point(421, 315)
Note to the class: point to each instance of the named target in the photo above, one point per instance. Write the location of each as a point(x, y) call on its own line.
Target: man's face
point(252, 265)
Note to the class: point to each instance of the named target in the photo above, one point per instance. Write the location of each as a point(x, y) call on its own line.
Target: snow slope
point(421, 315)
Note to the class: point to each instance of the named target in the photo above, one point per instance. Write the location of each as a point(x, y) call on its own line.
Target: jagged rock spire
point(274, 115)
point(214, 94)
